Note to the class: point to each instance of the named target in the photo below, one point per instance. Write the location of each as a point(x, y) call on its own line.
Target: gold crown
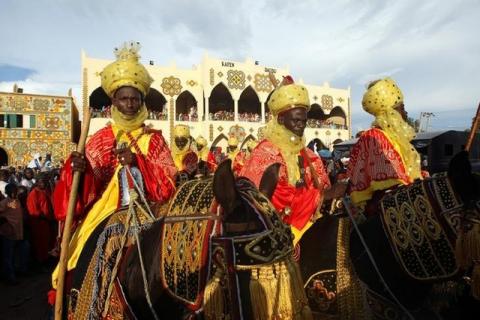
point(382, 95)
point(288, 97)
point(181, 130)
point(233, 142)
point(126, 71)
point(201, 141)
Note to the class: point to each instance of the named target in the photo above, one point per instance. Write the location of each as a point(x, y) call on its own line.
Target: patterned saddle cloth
point(184, 259)
point(420, 233)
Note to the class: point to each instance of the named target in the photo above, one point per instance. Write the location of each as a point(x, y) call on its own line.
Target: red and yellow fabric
point(303, 201)
point(239, 162)
point(375, 164)
point(99, 193)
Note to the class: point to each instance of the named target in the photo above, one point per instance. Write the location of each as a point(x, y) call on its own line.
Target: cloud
point(13, 73)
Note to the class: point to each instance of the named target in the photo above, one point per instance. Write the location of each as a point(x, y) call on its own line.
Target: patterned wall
point(52, 132)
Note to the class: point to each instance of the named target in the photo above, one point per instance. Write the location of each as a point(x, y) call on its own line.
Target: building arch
point(99, 100)
point(337, 141)
point(3, 157)
point(155, 101)
point(221, 103)
point(267, 109)
point(337, 117)
point(249, 105)
point(183, 107)
point(218, 141)
point(245, 141)
point(316, 117)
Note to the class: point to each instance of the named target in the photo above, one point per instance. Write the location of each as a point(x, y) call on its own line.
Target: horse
point(218, 251)
point(340, 278)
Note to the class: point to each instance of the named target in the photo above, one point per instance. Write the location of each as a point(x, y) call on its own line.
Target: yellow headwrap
point(251, 144)
point(181, 130)
point(288, 96)
point(380, 100)
point(203, 152)
point(201, 141)
point(126, 71)
point(232, 142)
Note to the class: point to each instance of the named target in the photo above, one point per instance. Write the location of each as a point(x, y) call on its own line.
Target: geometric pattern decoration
point(237, 132)
point(52, 131)
point(212, 77)
point(236, 79)
point(327, 102)
point(171, 86)
point(262, 83)
point(415, 233)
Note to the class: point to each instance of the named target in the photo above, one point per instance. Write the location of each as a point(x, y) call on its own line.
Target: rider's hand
point(78, 161)
point(125, 156)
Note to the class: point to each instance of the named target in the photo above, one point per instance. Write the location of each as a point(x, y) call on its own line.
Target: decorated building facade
point(32, 123)
point(218, 99)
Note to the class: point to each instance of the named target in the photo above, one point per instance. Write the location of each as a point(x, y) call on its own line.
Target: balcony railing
point(324, 124)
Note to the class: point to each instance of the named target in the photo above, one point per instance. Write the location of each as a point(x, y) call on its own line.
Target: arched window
point(221, 104)
point(156, 105)
point(100, 103)
point(337, 118)
point(249, 106)
point(186, 107)
point(316, 117)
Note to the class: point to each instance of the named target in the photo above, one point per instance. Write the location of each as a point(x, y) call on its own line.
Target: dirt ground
point(26, 300)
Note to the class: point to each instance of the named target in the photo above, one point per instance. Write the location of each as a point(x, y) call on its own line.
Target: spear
point(473, 130)
point(62, 265)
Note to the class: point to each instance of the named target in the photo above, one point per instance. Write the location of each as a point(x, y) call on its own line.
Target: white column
point(235, 109)
point(207, 109)
point(264, 106)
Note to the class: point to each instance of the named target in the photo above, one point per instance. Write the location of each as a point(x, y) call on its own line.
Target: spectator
point(47, 164)
point(36, 162)
point(3, 182)
point(11, 230)
point(28, 180)
point(39, 205)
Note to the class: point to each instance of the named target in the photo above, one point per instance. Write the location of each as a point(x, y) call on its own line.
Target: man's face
point(231, 148)
point(128, 100)
point(294, 120)
point(28, 174)
point(401, 109)
point(200, 146)
point(181, 142)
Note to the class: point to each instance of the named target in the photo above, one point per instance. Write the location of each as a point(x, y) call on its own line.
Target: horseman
point(204, 155)
point(303, 183)
point(183, 156)
point(383, 157)
point(126, 147)
point(242, 157)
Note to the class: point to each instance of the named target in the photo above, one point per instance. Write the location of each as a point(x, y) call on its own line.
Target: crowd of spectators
point(222, 115)
point(28, 229)
point(316, 123)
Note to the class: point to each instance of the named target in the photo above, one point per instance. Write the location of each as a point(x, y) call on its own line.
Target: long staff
point(473, 130)
point(62, 265)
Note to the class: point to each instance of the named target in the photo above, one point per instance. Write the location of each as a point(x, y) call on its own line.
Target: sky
point(430, 48)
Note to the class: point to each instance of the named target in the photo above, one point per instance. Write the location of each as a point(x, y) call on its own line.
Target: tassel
point(277, 292)
point(214, 299)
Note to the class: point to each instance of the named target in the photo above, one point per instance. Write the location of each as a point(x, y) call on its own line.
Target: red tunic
point(157, 169)
point(374, 165)
point(302, 201)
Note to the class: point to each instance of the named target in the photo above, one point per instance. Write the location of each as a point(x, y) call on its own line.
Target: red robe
point(157, 170)
point(302, 201)
point(374, 165)
point(43, 233)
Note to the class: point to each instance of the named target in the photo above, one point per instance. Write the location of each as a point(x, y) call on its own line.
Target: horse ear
point(224, 185)
point(269, 180)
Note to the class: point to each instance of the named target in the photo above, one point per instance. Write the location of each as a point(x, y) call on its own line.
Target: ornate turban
point(201, 141)
point(382, 96)
point(126, 71)
point(288, 95)
point(232, 142)
point(181, 130)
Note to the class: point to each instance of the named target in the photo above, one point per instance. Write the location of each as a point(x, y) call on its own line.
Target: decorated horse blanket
point(420, 232)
